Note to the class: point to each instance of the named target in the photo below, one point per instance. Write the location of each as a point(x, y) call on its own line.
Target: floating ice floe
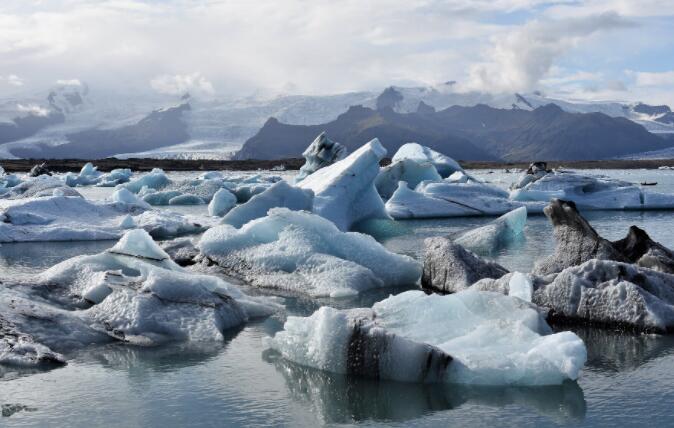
point(627, 284)
point(88, 176)
point(187, 192)
point(588, 192)
point(68, 218)
point(302, 252)
point(115, 177)
point(280, 194)
point(449, 268)
point(469, 337)
point(155, 179)
point(320, 153)
point(7, 180)
point(443, 164)
point(132, 293)
point(437, 199)
point(223, 201)
point(37, 187)
point(496, 234)
point(344, 192)
point(408, 170)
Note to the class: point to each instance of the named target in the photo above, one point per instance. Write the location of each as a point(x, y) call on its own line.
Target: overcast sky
point(597, 49)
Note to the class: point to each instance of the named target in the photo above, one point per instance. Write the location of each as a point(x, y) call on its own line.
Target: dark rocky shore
point(64, 165)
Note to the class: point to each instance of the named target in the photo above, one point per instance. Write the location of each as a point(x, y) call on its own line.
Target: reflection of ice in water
point(342, 399)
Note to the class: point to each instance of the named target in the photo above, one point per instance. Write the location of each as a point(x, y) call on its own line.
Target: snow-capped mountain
point(71, 118)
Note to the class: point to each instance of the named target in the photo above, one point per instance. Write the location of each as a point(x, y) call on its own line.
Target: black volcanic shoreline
point(74, 165)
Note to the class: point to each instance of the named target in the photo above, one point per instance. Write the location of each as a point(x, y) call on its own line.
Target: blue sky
point(589, 50)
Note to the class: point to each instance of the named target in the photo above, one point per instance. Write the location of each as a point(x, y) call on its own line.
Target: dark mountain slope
point(160, 128)
point(355, 127)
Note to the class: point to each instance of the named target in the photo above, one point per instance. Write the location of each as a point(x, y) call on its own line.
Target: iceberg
point(470, 337)
point(132, 293)
point(410, 171)
point(449, 268)
point(280, 194)
point(155, 179)
point(67, 218)
point(496, 234)
point(245, 191)
point(223, 201)
point(115, 177)
point(444, 165)
point(302, 252)
point(38, 187)
point(187, 192)
point(587, 192)
point(7, 180)
point(344, 192)
point(613, 294)
point(438, 199)
point(89, 175)
point(320, 153)
point(124, 196)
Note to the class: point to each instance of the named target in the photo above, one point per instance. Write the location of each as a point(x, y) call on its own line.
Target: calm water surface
point(628, 380)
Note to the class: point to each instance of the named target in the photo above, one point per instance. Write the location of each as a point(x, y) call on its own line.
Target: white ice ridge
point(588, 192)
point(422, 154)
point(73, 218)
point(280, 194)
point(496, 234)
point(437, 199)
point(302, 252)
point(410, 171)
point(319, 154)
point(471, 337)
point(344, 191)
point(115, 177)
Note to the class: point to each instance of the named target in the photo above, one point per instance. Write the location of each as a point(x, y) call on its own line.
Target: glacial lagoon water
point(628, 380)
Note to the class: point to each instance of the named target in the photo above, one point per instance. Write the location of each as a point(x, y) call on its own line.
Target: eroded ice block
point(444, 164)
point(496, 234)
point(320, 153)
point(470, 337)
point(303, 252)
point(280, 194)
point(344, 192)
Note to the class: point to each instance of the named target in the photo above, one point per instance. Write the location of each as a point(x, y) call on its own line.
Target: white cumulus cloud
point(181, 83)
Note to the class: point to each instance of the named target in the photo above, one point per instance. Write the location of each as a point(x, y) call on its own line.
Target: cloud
point(69, 82)
point(320, 47)
point(643, 78)
point(32, 109)
point(520, 58)
point(179, 84)
point(12, 80)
